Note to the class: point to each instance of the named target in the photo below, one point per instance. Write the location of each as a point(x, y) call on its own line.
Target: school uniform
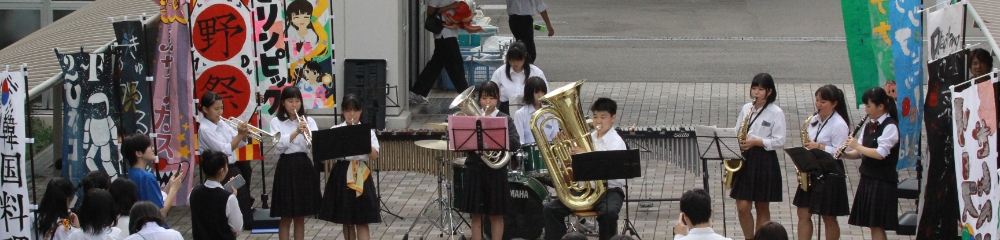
point(513, 86)
point(828, 194)
point(151, 230)
point(218, 137)
point(760, 178)
point(296, 182)
point(521, 23)
point(108, 233)
point(522, 122)
point(607, 207)
point(875, 202)
point(215, 212)
point(486, 189)
point(345, 201)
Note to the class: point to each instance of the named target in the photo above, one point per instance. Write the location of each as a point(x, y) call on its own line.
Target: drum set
point(527, 174)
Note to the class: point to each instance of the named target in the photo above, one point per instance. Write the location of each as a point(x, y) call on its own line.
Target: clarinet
point(843, 148)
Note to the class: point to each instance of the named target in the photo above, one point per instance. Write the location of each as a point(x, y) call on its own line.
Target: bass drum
point(524, 219)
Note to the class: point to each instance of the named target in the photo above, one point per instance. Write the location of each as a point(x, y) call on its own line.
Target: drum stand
point(446, 220)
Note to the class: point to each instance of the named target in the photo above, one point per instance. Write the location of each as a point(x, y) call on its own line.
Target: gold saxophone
point(468, 107)
point(803, 178)
point(734, 165)
point(564, 107)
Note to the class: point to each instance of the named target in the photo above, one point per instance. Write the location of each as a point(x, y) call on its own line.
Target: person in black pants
point(522, 24)
point(446, 55)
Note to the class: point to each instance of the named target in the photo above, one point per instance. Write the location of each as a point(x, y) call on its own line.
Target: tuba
point(803, 178)
point(564, 105)
point(468, 107)
point(734, 165)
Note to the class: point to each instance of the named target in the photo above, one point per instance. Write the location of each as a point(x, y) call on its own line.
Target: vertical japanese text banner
point(74, 77)
point(975, 134)
point(137, 109)
point(90, 141)
point(13, 180)
point(907, 53)
point(272, 63)
point(867, 30)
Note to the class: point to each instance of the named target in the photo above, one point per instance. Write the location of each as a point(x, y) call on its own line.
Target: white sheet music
point(730, 146)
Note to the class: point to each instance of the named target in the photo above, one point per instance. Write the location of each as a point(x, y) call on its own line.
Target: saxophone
point(734, 165)
point(803, 178)
point(468, 107)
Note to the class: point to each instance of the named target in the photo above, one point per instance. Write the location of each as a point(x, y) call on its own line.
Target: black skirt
point(342, 204)
point(827, 196)
point(760, 178)
point(875, 205)
point(486, 189)
point(296, 187)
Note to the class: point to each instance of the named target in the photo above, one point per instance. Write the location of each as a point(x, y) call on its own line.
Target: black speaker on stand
point(365, 78)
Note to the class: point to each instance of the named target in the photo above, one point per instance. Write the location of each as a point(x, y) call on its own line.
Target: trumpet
point(252, 132)
point(307, 134)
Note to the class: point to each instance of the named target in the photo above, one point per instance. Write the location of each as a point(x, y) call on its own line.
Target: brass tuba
point(803, 178)
point(734, 165)
point(467, 106)
point(565, 108)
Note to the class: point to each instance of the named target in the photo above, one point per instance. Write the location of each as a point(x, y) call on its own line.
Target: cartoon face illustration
point(310, 75)
point(300, 20)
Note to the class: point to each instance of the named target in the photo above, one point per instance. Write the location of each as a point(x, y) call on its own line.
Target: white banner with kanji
point(13, 181)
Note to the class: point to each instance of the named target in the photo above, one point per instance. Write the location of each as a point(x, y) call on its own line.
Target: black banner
point(131, 71)
point(939, 216)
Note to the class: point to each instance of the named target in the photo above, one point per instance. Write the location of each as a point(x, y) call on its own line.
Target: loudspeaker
point(365, 78)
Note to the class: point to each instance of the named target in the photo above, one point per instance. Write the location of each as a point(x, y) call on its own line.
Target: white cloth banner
point(944, 29)
point(975, 134)
point(14, 214)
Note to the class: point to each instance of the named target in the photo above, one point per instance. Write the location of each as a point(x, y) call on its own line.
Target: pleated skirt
point(486, 190)
point(760, 178)
point(875, 205)
point(827, 196)
point(295, 187)
point(342, 205)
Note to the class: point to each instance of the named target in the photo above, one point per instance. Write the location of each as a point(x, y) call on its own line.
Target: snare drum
point(534, 164)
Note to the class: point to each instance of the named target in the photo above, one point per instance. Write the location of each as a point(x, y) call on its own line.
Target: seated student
point(97, 217)
point(771, 231)
point(695, 221)
point(604, 139)
point(137, 149)
point(215, 212)
point(53, 220)
point(146, 223)
point(125, 193)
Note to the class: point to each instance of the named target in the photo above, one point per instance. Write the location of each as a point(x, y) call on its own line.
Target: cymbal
point(433, 144)
point(436, 126)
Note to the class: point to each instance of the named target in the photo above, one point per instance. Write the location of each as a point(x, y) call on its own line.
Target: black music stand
point(478, 133)
point(608, 165)
point(341, 142)
point(717, 138)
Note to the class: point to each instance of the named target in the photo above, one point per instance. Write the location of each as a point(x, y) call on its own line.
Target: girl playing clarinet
point(875, 203)
point(827, 195)
point(296, 182)
point(350, 198)
point(759, 181)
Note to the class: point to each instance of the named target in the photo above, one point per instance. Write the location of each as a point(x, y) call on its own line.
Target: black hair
point(142, 213)
point(95, 180)
point(771, 231)
point(518, 52)
point(54, 204)
point(765, 81)
point(574, 236)
point(696, 204)
point(532, 85)
point(351, 102)
point(310, 65)
point(983, 56)
point(136, 142)
point(604, 105)
point(877, 95)
point(298, 7)
point(125, 193)
point(212, 162)
point(288, 93)
point(97, 212)
point(488, 88)
point(207, 100)
point(831, 93)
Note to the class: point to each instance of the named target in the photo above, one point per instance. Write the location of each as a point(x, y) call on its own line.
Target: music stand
point(341, 142)
point(713, 138)
point(609, 165)
point(470, 133)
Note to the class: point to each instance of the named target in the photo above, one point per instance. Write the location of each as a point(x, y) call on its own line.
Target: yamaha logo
point(519, 193)
point(682, 135)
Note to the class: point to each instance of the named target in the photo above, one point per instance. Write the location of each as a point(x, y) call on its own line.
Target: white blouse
point(832, 133)
point(888, 139)
point(218, 137)
point(769, 126)
point(285, 144)
point(109, 233)
point(152, 231)
point(513, 86)
point(362, 157)
point(522, 119)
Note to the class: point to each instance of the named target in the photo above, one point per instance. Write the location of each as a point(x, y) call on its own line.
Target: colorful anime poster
point(13, 178)
point(131, 72)
point(907, 53)
point(939, 208)
point(975, 135)
point(91, 116)
point(272, 62)
point(309, 42)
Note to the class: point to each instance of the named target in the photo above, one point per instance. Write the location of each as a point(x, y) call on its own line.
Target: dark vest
point(208, 213)
point(883, 170)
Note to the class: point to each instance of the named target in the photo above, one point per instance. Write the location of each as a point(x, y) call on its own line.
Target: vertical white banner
point(975, 133)
point(944, 30)
point(13, 180)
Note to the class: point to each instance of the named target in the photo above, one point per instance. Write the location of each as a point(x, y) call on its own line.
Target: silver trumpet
point(252, 132)
point(307, 133)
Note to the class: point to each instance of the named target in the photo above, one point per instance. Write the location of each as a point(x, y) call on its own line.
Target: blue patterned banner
point(907, 54)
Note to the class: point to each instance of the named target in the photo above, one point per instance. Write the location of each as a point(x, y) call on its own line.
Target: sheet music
point(462, 130)
point(728, 142)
